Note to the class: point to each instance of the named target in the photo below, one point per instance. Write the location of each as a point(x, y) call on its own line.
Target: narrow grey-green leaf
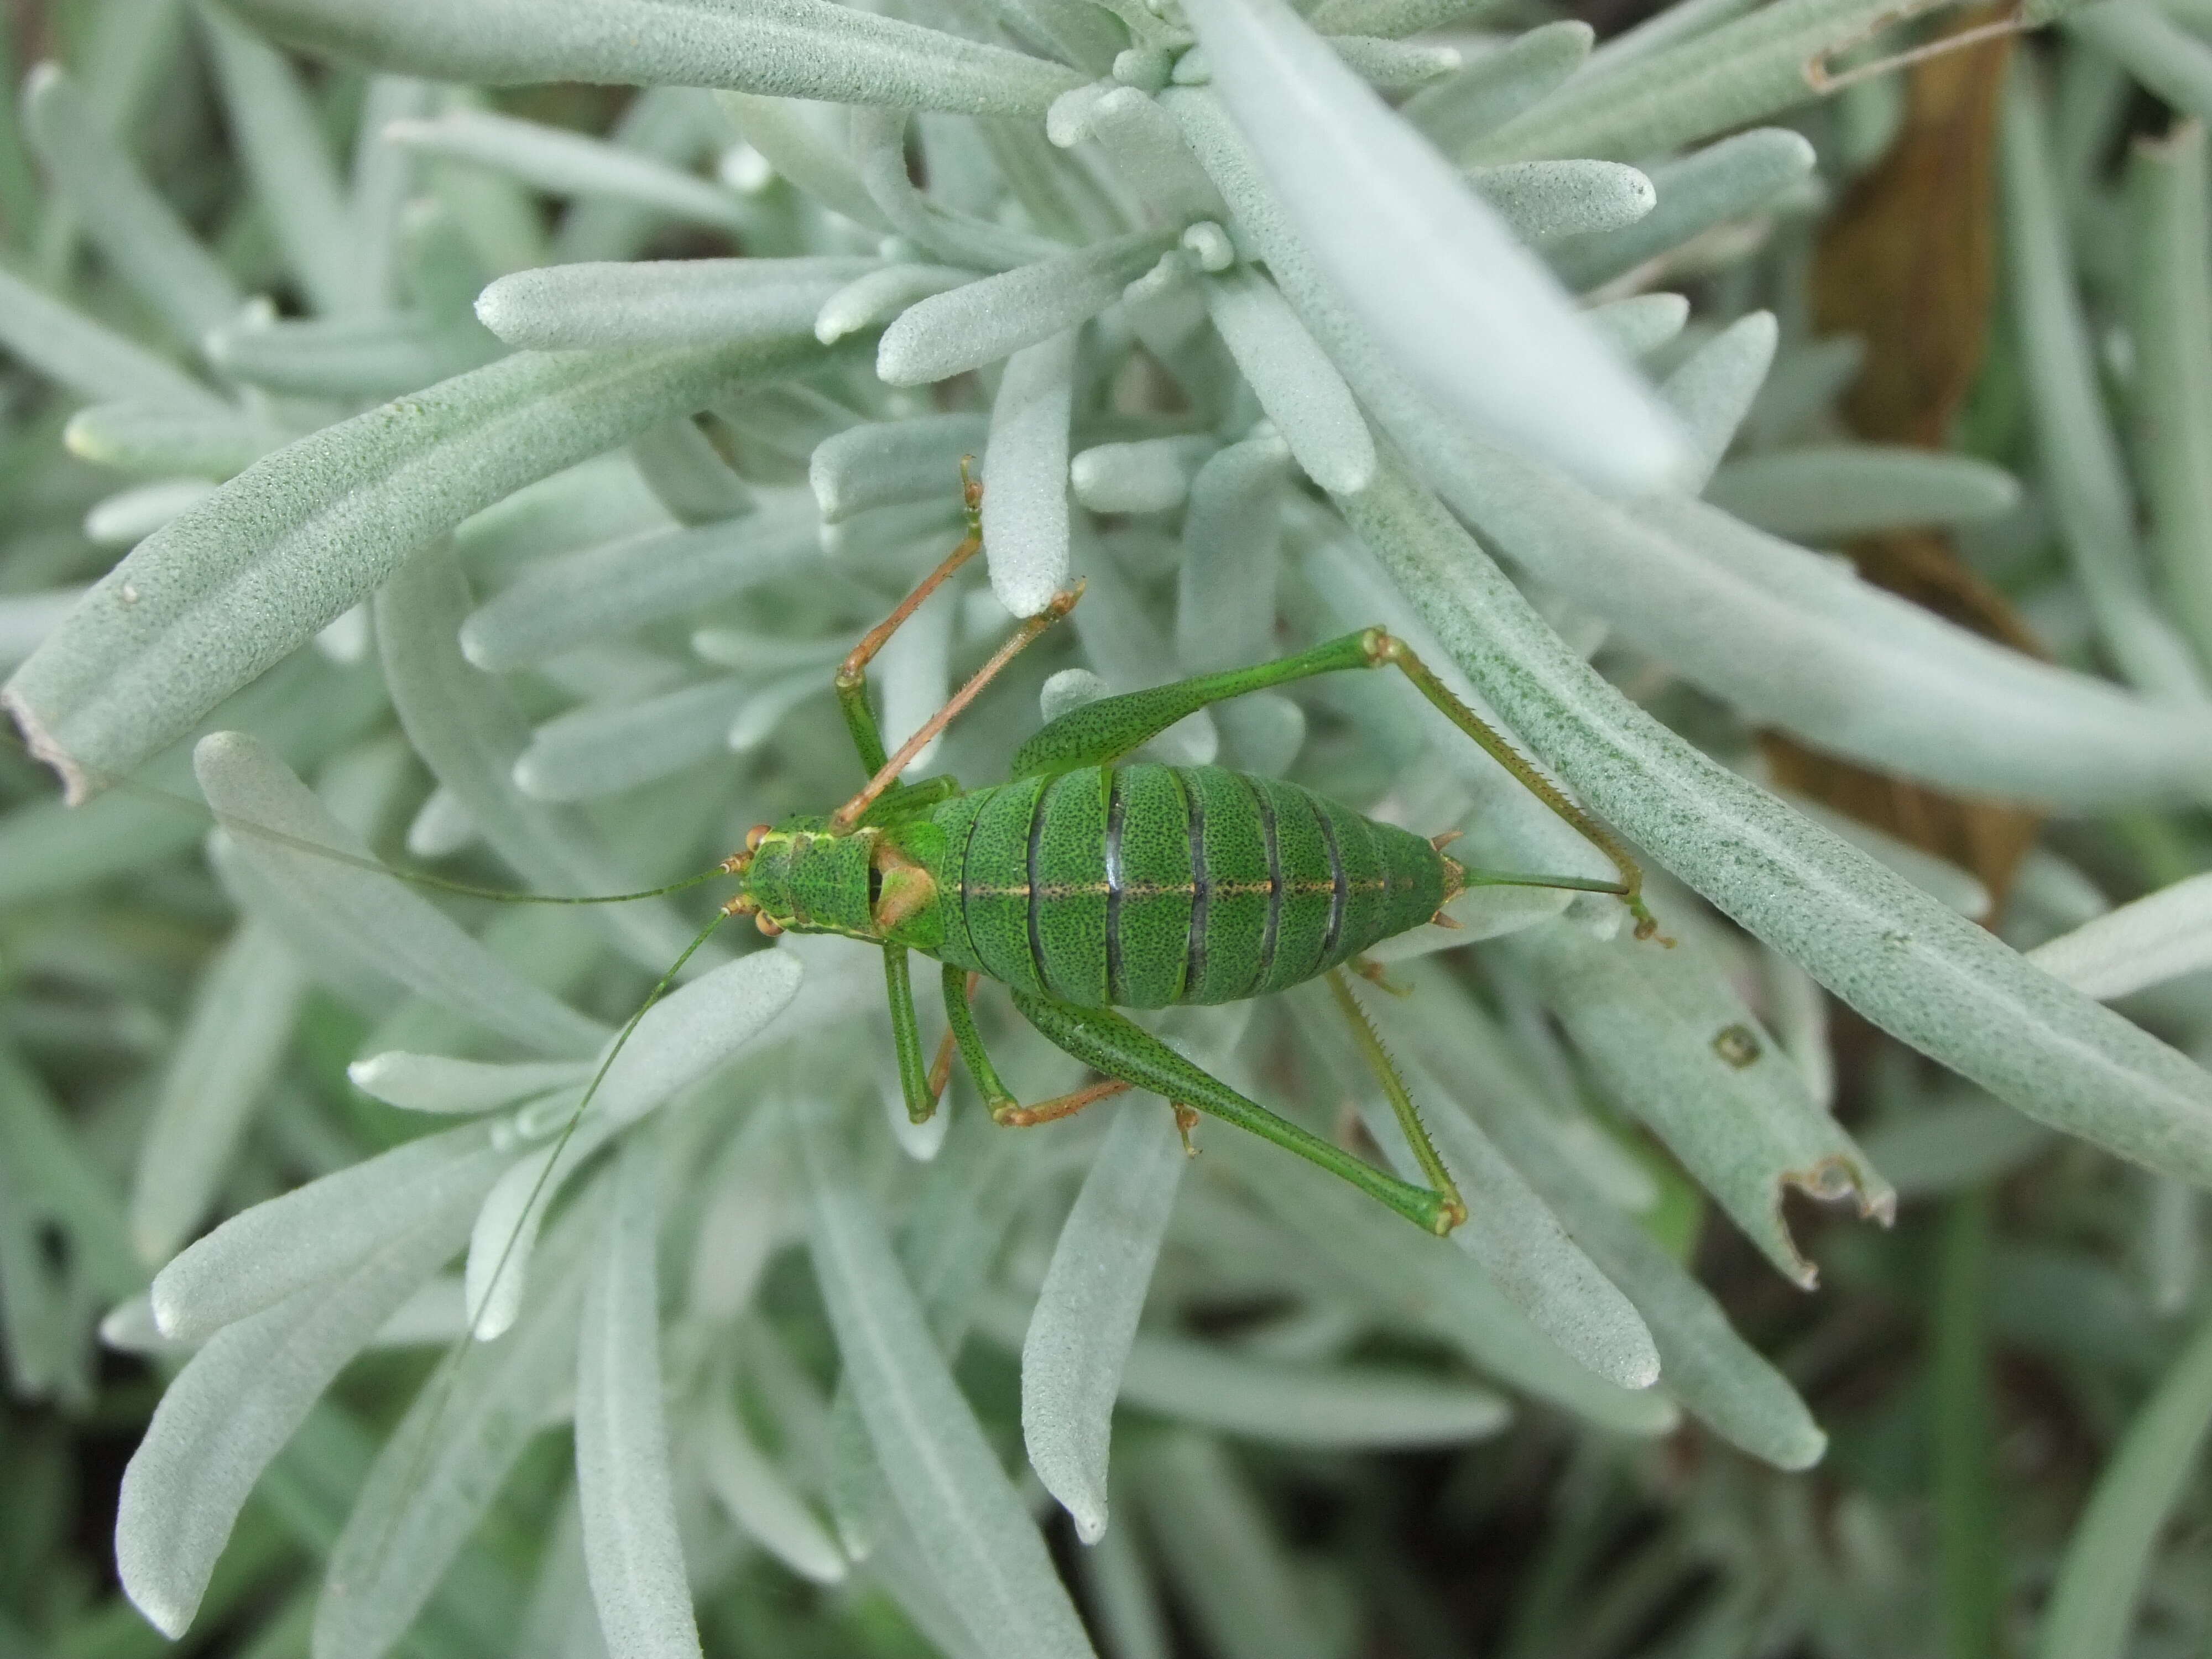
point(562, 602)
point(1454, 302)
point(233, 586)
point(2092, 1604)
point(1025, 524)
point(663, 302)
point(1492, 90)
point(235, 1404)
point(1825, 493)
point(168, 440)
point(1705, 1362)
point(139, 234)
point(1926, 974)
point(444, 1464)
point(1295, 382)
point(2158, 937)
point(1723, 181)
point(1232, 538)
point(603, 749)
point(887, 463)
point(786, 48)
point(624, 1480)
point(377, 356)
point(566, 163)
point(1087, 1309)
point(241, 1024)
point(761, 1500)
point(316, 1232)
point(438, 1083)
point(969, 1526)
point(402, 931)
point(1543, 200)
point(66, 346)
point(1713, 388)
point(967, 327)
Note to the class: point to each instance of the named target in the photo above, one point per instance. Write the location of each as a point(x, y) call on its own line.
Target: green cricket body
point(1130, 885)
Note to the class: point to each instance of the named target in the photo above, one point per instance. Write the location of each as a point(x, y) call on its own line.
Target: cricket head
point(802, 877)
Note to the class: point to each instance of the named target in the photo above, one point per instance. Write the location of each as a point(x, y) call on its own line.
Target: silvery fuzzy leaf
point(1147, 154)
point(227, 1056)
point(807, 144)
point(624, 1483)
point(466, 732)
point(351, 357)
point(129, 516)
point(280, 139)
point(760, 1500)
point(681, 1040)
point(1642, 323)
point(913, 677)
point(1520, 1247)
point(955, 239)
point(438, 1083)
point(1825, 493)
point(688, 476)
point(2161, 936)
point(387, 233)
point(566, 163)
point(2171, 61)
point(1542, 200)
point(317, 1233)
point(441, 826)
point(1026, 524)
point(1492, 90)
point(786, 48)
point(1237, 1579)
point(231, 587)
point(1395, 65)
point(2087, 482)
point(2100, 1580)
point(1123, 1602)
point(135, 230)
point(1232, 556)
point(666, 302)
point(603, 749)
point(877, 298)
point(1705, 1362)
point(969, 1525)
point(1295, 382)
point(1150, 475)
point(1691, 80)
point(406, 935)
point(1086, 1312)
point(68, 347)
point(169, 440)
point(1929, 976)
point(443, 1467)
point(1393, 18)
point(1218, 1388)
point(239, 1400)
point(1460, 308)
point(1425, 1284)
point(888, 463)
point(563, 602)
point(1723, 181)
point(982, 321)
point(1713, 388)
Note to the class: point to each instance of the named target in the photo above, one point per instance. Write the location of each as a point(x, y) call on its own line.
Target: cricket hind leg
point(1106, 729)
point(1394, 1088)
point(1110, 1044)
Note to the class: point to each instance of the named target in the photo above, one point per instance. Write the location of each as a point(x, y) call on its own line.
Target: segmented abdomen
point(1143, 885)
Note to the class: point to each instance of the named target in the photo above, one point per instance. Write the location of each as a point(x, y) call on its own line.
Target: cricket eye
point(755, 836)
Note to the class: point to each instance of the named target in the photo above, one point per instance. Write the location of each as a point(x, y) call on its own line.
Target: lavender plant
point(513, 462)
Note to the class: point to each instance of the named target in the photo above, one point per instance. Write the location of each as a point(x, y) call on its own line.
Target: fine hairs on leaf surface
point(452, 458)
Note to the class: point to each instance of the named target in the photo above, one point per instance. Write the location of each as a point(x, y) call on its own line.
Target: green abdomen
point(1143, 885)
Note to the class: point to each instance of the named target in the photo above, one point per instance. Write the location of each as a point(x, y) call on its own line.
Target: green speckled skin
point(1141, 885)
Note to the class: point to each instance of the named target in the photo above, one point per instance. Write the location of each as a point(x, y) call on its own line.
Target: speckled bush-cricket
point(1088, 883)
